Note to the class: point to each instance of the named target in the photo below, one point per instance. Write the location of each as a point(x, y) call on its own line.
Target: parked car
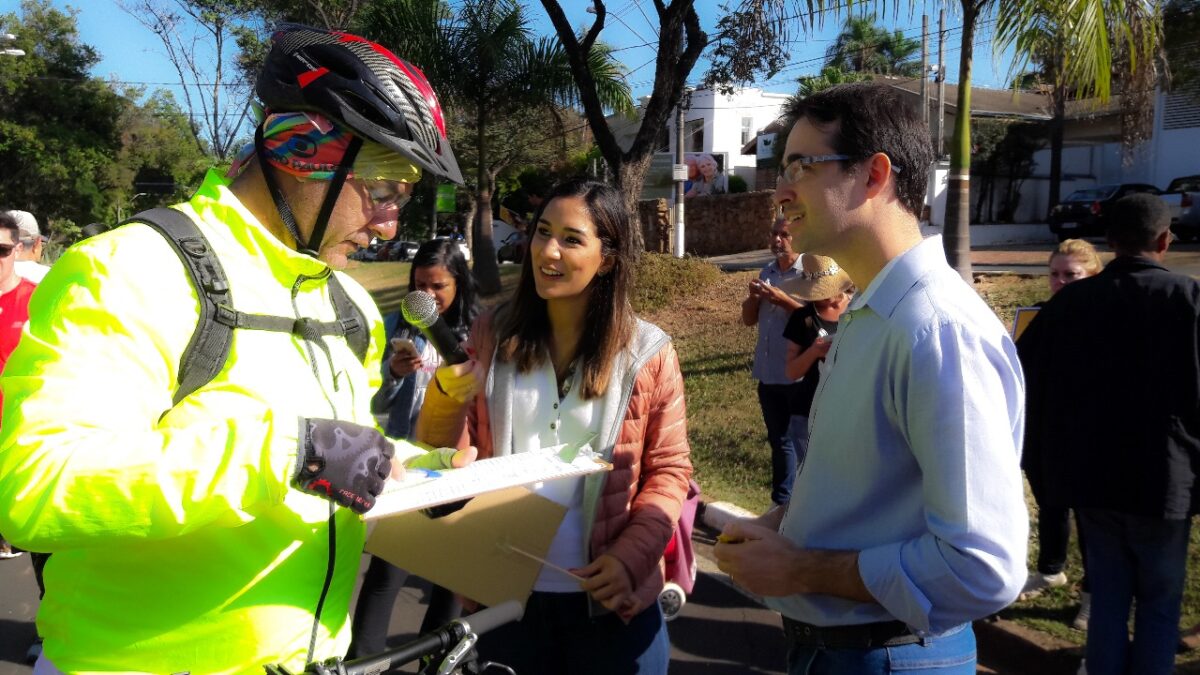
point(404, 250)
point(370, 253)
point(512, 248)
point(1085, 213)
point(462, 246)
point(1182, 198)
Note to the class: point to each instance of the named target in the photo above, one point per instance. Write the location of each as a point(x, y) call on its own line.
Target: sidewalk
point(999, 259)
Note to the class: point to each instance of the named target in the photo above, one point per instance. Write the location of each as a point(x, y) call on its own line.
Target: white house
point(714, 124)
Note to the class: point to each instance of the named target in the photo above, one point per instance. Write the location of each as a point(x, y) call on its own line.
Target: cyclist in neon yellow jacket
point(222, 532)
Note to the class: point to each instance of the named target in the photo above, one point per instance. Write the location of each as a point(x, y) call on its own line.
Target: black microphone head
point(419, 309)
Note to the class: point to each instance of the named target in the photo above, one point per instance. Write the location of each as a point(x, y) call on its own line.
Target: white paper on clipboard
point(422, 489)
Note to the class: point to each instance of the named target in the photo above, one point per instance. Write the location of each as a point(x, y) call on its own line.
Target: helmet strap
point(331, 194)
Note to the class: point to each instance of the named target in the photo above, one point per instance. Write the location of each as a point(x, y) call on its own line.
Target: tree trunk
point(957, 233)
point(629, 177)
point(484, 267)
point(1056, 145)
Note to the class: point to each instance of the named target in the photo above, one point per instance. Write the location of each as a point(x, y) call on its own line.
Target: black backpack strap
point(208, 350)
point(209, 347)
point(352, 319)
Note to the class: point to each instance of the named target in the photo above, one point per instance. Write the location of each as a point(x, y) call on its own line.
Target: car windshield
point(1189, 184)
point(1092, 194)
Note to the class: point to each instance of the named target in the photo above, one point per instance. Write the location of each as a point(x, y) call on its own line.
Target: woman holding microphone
point(567, 361)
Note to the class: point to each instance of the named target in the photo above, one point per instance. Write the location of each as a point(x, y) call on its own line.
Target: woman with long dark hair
point(567, 361)
point(439, 269)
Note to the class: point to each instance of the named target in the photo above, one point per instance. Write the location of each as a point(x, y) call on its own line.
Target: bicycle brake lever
point(454, 658)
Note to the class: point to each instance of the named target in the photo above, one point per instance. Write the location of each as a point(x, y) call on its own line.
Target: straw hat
point(820, 278)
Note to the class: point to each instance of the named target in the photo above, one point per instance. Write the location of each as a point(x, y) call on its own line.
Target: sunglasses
point(7, 249)
point(384, 192)
point(794, 170)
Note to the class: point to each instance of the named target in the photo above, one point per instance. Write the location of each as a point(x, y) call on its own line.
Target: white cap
point(27, 224)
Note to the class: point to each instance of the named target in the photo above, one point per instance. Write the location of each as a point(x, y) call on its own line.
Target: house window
point(693, 135)
point(663, 142)
point(747, 129)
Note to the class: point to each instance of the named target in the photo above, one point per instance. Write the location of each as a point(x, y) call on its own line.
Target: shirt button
point(553, 425)
point(556, 406)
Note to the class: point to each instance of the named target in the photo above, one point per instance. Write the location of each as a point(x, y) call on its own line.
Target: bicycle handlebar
point(432, 643)
point(493, 617)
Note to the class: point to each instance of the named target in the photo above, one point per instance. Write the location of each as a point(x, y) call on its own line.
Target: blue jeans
point(1134, 557)
point(798, 434)
point(776, 403)
point(950, 653)
point(557, 637)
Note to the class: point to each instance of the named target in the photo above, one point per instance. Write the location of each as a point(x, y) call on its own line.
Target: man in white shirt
point(908, 519)
point(29, 256)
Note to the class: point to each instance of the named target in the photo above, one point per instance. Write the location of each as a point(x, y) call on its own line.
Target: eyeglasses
point(385, 192)
point(794, 170)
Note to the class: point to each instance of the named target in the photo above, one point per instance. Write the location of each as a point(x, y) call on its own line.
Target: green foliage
point(1181, 26)
point(59, 127)
point(74, 148)
point(737, 184)
point(662, 279)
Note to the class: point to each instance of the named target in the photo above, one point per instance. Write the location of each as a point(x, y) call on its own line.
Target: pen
point(543, 561)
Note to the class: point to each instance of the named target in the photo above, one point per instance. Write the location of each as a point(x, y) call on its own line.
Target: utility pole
point(925, 69)
point(680, 177)
point(941, 80)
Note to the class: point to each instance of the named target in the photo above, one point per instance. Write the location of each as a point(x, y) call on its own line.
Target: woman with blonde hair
point(1074, 259)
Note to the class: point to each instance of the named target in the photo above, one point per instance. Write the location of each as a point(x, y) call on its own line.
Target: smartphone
point(404, 345)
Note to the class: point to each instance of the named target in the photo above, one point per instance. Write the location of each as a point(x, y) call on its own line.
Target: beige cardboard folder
point(469, 551)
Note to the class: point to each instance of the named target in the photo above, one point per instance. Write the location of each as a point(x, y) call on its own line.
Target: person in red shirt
point(14, 290)
point(14, 310)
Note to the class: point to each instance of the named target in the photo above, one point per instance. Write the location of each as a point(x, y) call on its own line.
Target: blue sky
point(131, 53)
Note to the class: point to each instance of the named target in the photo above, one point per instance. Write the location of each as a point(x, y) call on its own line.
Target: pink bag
point(679, 557)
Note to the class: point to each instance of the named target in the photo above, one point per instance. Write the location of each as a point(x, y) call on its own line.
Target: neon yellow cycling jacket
point(178, 544)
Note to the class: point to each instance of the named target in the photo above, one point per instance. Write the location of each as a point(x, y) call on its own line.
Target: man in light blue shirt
point(908, 520)
point(769, 307)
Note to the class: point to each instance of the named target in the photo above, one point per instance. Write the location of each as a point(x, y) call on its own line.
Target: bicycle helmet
point(362, 85)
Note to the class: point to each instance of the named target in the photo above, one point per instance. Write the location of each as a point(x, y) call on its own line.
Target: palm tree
point(484, 62)
point(1096, 26)
point(1054, 34)
point(830, 76)
point(865, 47)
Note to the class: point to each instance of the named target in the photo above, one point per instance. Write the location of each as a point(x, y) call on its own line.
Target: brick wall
point(715, 225)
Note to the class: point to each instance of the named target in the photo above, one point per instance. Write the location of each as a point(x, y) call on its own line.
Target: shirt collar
point(899, 275)
point(795, 265)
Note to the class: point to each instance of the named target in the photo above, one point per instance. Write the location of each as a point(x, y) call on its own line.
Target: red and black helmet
point(363, 85)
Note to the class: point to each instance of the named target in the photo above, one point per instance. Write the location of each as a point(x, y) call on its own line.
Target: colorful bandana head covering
point(310, 147)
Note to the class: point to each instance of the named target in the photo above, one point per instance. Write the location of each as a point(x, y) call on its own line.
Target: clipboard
point(422, 489)
point(1022, 316)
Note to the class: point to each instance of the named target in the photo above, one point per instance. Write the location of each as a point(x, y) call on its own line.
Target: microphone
point(420, 309)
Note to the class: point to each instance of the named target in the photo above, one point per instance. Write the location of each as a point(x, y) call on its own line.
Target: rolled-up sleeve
point(960, 405)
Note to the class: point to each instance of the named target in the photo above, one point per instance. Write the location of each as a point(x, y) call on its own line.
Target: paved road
point(720, 631)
